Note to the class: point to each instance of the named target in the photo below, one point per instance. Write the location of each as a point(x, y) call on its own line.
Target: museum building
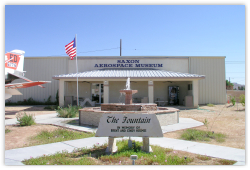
point(166, 80)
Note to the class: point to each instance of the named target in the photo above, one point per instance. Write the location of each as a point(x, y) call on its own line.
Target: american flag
point(71, 49)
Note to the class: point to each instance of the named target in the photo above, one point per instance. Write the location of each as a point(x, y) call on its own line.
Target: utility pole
point(120, 47)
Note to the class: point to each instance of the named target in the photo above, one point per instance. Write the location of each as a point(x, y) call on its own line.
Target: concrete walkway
point(15, 156)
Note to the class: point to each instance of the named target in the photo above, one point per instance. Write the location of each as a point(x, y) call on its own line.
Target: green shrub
point(57, 98)
point(31, 101)
point(242, 99)
point(210, 105)
point(48, 100)
point(205, 123)
point(68, 112)
point(232, 99)
point(7, 131)
point(25, 120)
point(199, 135)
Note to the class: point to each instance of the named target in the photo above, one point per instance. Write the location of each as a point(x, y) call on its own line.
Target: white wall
point(114, 94)
point(84, 89)
point(175, 64)
point(41, 69)
point(142, 87)
point(212, 89)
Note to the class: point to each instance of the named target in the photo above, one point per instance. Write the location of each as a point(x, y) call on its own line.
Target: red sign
point(12, 61)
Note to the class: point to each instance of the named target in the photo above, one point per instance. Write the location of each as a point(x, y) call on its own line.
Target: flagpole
point(77, 75)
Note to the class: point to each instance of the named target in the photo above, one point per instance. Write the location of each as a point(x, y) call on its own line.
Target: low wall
point(92, 115)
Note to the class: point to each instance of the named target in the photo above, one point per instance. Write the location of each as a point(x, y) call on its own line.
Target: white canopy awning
point(133, 73)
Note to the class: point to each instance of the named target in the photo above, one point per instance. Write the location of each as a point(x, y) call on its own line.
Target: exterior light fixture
point(133, 158)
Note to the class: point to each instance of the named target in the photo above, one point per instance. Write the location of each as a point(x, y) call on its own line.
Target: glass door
point(97, 92)
point(173, 95)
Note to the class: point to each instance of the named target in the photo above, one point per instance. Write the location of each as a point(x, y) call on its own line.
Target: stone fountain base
point(129, 107)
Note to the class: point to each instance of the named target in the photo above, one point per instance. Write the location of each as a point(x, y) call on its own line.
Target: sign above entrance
point(134, 125)
point(128, 63)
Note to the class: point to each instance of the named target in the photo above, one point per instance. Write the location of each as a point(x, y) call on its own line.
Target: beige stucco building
point(165, 80)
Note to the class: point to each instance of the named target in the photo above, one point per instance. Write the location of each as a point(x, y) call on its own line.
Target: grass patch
point(7, 131)
point(199, 135)
point(58, 135)
point(210, 105)
point(226, 162)
point(204, 158)
point(62, 158)
point(96, 156)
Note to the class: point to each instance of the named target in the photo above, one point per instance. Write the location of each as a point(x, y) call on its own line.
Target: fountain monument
point(92, 115)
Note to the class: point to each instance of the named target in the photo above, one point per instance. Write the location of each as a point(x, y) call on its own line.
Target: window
point(190, 86)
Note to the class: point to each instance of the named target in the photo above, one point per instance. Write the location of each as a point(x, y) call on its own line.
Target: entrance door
point(97, 92)
point(173, 95)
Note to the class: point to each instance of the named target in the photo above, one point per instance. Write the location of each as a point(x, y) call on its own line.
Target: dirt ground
point(221, 118)
point(226, 119)
point(19, 136)
point(10, 111)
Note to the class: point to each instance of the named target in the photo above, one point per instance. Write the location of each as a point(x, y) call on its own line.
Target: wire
point(234, 63)
point(82, 52)
point(99, 50)
point(169, 50)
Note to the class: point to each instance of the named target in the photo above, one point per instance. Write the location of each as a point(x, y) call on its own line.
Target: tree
point(242, 99)
point(241, 88)
point(229, 86)
point(232, 99)
point(228, 83)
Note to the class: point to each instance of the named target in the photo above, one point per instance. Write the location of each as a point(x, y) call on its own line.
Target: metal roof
point(133, 73)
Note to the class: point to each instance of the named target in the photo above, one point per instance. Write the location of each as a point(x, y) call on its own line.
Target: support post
point(111, 145)
point(195, 93)
point(146, 147)
point(106, 91)
point(61, 93)
point(150, 91)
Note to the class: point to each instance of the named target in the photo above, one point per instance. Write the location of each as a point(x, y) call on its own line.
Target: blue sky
point(152, 30)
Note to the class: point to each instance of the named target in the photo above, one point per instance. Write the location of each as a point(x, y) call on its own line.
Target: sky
point(145, 30)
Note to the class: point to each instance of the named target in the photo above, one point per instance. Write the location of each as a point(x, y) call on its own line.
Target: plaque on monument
point(134, 125)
